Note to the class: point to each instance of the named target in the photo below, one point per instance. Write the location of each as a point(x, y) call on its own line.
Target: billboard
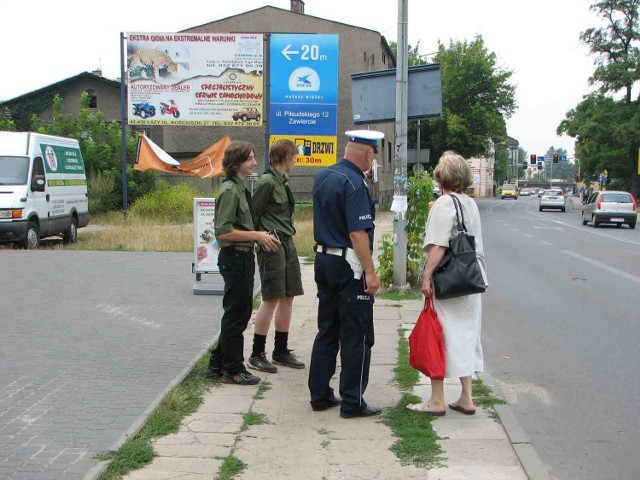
point(304, 95)
point(195, 79)
point(373, 94)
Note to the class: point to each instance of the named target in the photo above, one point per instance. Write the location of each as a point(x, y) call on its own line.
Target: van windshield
point(14, 170)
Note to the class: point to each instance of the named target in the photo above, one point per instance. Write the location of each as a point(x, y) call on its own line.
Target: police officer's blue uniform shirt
point(344, 206)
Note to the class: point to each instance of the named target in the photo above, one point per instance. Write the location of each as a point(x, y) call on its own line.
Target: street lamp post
point(400, 173)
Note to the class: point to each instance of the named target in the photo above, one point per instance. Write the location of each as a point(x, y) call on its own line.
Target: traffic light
point(532, 159)
point(576, 177)
point(555, 158)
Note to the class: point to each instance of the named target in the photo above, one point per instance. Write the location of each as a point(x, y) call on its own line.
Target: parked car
point(615, 207)
point(552, 198)
point(248, 114)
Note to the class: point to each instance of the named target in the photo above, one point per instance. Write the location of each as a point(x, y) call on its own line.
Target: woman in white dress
point(460, 317)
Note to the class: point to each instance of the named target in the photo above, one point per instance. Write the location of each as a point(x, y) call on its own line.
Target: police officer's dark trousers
point(237, 269)
point(345, 323)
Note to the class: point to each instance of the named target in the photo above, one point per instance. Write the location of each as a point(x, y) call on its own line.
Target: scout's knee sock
point(282, 339)
point(259, 342)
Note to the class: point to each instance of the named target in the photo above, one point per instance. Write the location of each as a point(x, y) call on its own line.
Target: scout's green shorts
point(280, 271)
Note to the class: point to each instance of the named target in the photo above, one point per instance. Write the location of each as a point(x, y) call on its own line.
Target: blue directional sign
point(563, 158)
point(541, 158)
point(304, 92)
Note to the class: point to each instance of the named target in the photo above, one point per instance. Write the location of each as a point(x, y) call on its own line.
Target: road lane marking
point(587, 230)
point(544, 242)
point(604, 266)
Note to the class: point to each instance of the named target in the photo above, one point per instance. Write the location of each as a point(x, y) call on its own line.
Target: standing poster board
point(205, 244)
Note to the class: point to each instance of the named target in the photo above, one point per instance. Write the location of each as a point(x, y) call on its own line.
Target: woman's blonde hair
point(453, 172)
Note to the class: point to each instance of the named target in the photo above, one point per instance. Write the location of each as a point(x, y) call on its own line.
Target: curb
point(522, 446)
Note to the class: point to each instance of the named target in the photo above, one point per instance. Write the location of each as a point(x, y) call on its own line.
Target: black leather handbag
point(459, 273)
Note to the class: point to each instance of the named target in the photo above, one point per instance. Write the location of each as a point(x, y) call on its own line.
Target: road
point(561, 335)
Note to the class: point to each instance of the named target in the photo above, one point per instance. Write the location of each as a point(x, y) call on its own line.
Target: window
point(38, 169)
point(616, 197)
point(93, 98)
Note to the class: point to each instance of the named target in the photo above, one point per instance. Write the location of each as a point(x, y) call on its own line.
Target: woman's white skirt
point(461, 320)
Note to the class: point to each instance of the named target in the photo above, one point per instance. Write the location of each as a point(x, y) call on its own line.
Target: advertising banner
point(195, 79)
point(205, 245)
point(304, 95)
point(62, 159)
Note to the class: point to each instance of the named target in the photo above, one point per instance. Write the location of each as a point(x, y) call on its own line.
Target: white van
point(43, 188)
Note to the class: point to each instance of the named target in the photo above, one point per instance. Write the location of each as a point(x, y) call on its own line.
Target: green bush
point(167, 203)
point(102, 196)
point(419, 195)
point(385, 260)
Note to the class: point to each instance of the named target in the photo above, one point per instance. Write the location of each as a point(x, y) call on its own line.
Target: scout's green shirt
point(233, 211)
point(271, 204)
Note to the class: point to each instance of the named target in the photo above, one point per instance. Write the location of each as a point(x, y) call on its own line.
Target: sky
point(45, 41)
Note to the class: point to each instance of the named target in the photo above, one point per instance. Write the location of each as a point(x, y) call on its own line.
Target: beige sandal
point(426, 409)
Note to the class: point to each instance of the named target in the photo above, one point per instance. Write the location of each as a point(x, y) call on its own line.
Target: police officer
point(343, 215)
point(236, 236)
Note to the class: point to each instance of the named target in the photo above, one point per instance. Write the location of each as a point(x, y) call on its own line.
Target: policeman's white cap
point(367, 137)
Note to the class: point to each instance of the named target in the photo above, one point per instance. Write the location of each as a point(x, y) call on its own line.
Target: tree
point(6, 122)
point(476, 99)
point(101, 147)
point(607, 131)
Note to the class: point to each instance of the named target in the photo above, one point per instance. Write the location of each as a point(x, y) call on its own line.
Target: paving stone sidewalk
point(297, 443)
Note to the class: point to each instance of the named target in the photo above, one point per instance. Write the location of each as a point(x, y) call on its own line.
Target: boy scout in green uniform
point(236, 236)
point(273, 206)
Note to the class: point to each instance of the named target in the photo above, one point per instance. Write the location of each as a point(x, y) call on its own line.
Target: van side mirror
point(38, 184)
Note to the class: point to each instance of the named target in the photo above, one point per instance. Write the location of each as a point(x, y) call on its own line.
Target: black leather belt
point(240, 248)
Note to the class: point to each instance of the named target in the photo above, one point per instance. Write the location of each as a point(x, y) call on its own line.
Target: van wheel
point(632, 226)
point(32, 237)
point(71, 234)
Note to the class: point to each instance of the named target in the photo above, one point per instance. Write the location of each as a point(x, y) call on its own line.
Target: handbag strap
point(428, 301)
point(459, 214)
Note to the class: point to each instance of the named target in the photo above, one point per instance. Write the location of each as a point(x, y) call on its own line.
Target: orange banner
point(206, 165)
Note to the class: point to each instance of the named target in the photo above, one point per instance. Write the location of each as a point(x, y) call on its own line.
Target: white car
point(610, 206)
point(552, 199)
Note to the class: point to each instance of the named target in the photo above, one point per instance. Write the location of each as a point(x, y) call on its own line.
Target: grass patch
point(406, 376)
point(179, 402)
point(253, 418)
point(417, 442)
point(394, 294)
point(257, 300)
point(231, 466)
point(483, 395)
point(264, 387)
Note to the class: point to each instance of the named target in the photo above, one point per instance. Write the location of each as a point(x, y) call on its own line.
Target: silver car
point(552, 198)
point(615, 207)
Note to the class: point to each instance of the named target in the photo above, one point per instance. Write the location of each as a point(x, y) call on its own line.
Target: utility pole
point(400, 173)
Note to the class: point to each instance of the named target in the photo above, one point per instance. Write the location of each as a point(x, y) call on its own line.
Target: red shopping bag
point(426, 347)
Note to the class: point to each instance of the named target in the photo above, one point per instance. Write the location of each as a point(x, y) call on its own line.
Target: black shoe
point(213, 372)
point(242, 378)
point(260, 362)
point(367, 411)
point(287, 359)
point(324, 404)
